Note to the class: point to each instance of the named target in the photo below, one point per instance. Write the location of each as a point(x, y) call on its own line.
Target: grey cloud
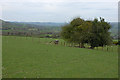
point(57, 12)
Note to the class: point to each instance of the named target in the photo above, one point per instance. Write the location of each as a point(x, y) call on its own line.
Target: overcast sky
point(58, 10)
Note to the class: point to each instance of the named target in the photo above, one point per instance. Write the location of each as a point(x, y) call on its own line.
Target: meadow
point(37, 58)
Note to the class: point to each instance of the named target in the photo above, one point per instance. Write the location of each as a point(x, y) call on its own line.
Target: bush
point(115, 42)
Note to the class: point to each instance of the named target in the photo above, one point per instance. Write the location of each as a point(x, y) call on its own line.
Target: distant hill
point(114, 28)
point(34, 27)
point(45, 26)
point(54, 24)
point(42, 24)
point(51, 24)
point(114, 24)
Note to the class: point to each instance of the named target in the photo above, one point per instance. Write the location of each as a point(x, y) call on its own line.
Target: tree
point(76, 31)
point(79, 31)
point(100, 34)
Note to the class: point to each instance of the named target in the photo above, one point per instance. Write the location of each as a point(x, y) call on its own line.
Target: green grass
point(34, 58)
point(115, 40)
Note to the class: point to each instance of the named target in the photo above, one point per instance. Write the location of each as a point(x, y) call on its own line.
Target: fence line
point(63, 43)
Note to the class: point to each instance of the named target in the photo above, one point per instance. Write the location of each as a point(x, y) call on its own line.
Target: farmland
point(37, 58)
point(42, 29)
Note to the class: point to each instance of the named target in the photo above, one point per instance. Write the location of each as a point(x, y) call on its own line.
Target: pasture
point(36, 58)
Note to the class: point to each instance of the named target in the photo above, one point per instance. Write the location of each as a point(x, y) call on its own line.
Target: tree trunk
point(79, 45)
point(92, 47)
point(82, 45)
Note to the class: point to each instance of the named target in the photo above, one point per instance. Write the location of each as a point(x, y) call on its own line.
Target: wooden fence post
point(64, 43)
point(111, 48)
point(61, 43)
point(32, 39)
point(39, 39)
point(102, 47)
point(72, 45)
point(97, 48)
point(107, 48)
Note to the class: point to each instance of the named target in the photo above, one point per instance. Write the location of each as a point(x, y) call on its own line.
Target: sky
point(57, 10)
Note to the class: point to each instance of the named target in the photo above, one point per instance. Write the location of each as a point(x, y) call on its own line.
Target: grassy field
point(35, 58)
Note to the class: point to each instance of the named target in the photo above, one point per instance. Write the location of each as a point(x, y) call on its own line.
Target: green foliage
point(95, 32)
point(77, 31)
point(115, 42)
point(76, 22)
point(67, 32)
point(100, 35)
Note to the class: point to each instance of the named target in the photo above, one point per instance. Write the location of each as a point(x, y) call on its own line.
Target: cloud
point(49, 1)
point(57, 10)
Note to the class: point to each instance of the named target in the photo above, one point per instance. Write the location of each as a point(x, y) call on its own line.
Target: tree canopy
point(96, 33)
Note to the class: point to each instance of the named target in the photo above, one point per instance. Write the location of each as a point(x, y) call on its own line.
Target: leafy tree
point(95, 32)
point(77, 22)
point(76, 31)
point(100, 35)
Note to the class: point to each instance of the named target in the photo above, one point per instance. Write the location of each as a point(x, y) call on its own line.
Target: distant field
point(37, 58)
